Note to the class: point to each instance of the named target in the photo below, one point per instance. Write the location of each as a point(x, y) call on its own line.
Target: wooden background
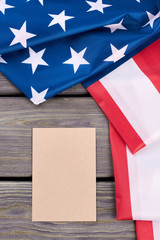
point(72, 108)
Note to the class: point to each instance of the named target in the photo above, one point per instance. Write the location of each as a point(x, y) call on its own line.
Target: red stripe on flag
point(148, 61)
point(123, 200)
point(144, 230)
point(116, 116)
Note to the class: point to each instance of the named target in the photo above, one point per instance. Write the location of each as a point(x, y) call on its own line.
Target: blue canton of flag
point(48, 46)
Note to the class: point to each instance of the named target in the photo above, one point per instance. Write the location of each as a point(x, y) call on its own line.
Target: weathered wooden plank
point(7, 88)
point(19, 116)
point(15, 217)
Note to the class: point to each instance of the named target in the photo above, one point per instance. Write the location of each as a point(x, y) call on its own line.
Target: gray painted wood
point(7, 88)
point(15, 217)
point(19, 116)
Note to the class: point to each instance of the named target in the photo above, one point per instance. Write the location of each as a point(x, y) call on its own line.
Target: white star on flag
point(113, 27)
point(41, 1)
point(138, 1)
point(98, 5)
point(4, 6)
point(59, 19)
point(38, 98)
point(2, 60)
point(21, 35)
point(116, 54)
point(35, 59)
point(152, 18)
point(77, 59)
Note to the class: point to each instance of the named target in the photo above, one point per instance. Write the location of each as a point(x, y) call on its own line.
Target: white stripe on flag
point(137, 98)
point(144, 179)
point(156, 230)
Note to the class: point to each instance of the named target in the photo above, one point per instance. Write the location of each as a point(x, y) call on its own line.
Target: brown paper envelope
point(64, 174)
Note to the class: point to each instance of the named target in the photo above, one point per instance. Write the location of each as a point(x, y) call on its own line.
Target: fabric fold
point(130, 98)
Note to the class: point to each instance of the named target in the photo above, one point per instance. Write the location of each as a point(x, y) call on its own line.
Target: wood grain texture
point(15, 217)
point(19, 116)
point(7, 88)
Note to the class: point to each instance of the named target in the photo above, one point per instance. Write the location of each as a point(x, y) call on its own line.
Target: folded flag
point(147, 230)
point(136, 176)
point(137, 179)
point(49, 46)
point(130, 98)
